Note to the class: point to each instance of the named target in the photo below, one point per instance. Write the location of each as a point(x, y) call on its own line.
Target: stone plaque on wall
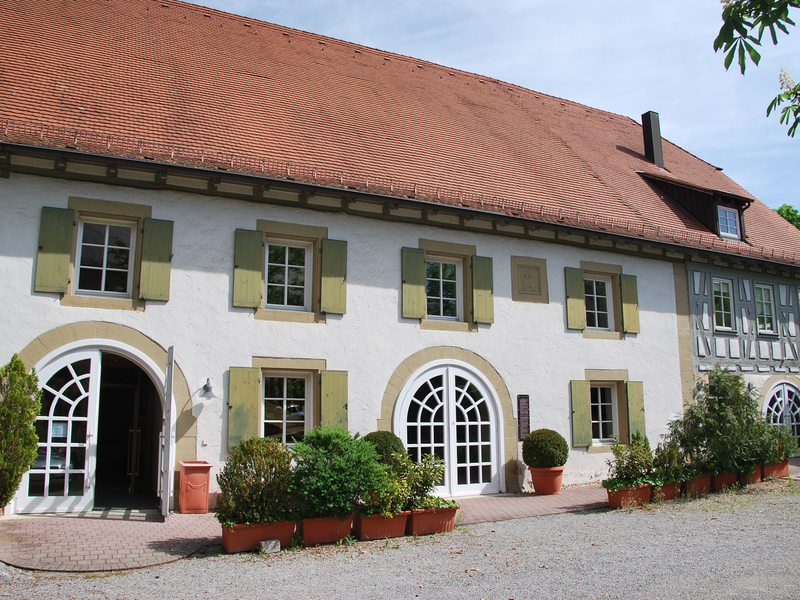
point(529, 280)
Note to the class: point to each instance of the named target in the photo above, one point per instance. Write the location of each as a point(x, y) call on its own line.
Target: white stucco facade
point(528, 345)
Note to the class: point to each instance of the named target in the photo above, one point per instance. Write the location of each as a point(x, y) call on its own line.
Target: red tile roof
point(190, 85)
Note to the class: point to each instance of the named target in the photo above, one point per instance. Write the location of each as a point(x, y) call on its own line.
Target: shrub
point(388, 499)
point(335, 472)
point(669, 463)
point(20, 403)
point(254, 483)
point(778, 444)
point(421, 479)
point(632, 464)
point(544, 449)
point(386, 443)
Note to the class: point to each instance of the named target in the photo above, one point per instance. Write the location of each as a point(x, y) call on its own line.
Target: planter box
point(629, 496)
point(668, 491)
point(778, 469)
point(698, 485)
point(376, 527)
point(754, 478)
point(724, 481)
point(547, 481)
point(242, 538)
point(326, 530)
point(423, 522)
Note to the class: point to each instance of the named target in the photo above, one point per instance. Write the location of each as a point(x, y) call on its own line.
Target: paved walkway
point(118, 540)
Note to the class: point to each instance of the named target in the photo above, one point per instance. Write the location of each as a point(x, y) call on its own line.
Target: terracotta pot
point(698, 485)
point(325, 530)
point(423, 522)
point(547, 481)
point(668, 491)
point(629, 496)
point(724, 481)
point(754, 478)
point(778, 469)
point(376, 527)
point(242, 538)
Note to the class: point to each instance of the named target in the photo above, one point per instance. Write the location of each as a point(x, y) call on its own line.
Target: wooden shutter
point(414, 281)
point(154, 273)
point(333, 294)
point(244, 404)
point(576, 304)
point(248, 268)
point(630, 304)
point(581, 394)
point(635, 394)
point(55, 245)
point(482, 290)
point(333, 386)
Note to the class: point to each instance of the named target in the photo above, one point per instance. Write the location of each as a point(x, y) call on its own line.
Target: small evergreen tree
point(20, 403)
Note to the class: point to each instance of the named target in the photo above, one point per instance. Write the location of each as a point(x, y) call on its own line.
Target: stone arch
point(439, 353)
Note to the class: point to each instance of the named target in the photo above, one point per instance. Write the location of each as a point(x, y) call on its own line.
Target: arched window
point(782, 406)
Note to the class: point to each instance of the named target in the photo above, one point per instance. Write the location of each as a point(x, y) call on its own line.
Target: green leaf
point(754, 55)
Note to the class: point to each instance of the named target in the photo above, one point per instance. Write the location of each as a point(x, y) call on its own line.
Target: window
point(728, 222)
point(287, 407)
point(723, 305)
point(277, 274)
point(443, 278)
point(599, 302)
point(105, 252)
point(603, 399)
point(289, 270)
point(765, 309)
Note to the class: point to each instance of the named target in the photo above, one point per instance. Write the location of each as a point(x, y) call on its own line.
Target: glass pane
point(449, 271)
point(433, 270)
point(473, 433)
point(461, 434)
point(486, 453)
point(602, 320)
point(413, 413)
point(57, 482)
point(273, 387)
point(425, 433)
point(296, 277)
point(116, 281)
point(274, 295)
point(273, 410)
point(91, 256)
point(473, 454)
point(295, 387)
point(41, 459)
point(462, 476)
point(590, 306)
point(58, 432)
point(600, 287)
point(297, 256)
point(296, 411)
point(434, 307)
point(81, 408)
point(277, 254)
point(411, 434)
point(78, 432)
point(90, 279)
point(58, 459)
point(94, 233)
point(47, 401)
point(276, 274)
point(433, 288)
point(273, 431)
point(483, 410)
point(602, 304)
point(77, 458)
point(82, 367)
point(438, 415)
point(295, 297)
point(75, 484)
point(487, 474)
point(117, 258)
point(596, 431)
point(461, 455)
point(36, 484)
point(486, 435)
point(438, 434)
point(73, 392)
point(119, 236)
point(41, 430)
point(474, 474)
point(449, 308)
point(588, 287)
point(295, 433)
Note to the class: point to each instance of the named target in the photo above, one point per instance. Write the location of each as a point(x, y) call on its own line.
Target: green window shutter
point(414, 282)
point(248, 269)
point(333, 293)
point(55, 245)
point(636, 408)
point(482, 290)
point(333, 385)
point(576, 304)
point(156, 260)
point(581, 413)
point(244, 404)
point(630, 304)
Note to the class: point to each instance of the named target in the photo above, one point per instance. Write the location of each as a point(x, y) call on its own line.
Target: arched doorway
point(450, 410)
point(782, 407)
point(100, 431)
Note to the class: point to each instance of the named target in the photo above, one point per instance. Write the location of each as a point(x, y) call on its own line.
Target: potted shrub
point(255, 502)
point(429, 513)
point(669, 469)
point(334, 473)
point(631, 473)
point(779, 445)
point(545, 452)
point(386, 444)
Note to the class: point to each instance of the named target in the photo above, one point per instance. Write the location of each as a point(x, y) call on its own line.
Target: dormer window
point(728, 222)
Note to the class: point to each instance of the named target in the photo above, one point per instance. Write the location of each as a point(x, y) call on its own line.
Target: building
point(216, 227)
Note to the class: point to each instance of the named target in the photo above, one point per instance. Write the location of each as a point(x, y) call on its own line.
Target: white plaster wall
point(529, 344)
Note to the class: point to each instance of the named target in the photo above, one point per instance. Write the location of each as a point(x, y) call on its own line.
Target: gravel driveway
point(742, 544)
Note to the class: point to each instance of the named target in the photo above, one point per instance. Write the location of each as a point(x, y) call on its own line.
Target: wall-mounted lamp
point(207, 391)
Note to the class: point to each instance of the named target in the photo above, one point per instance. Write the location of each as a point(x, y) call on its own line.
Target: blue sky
point(623, 56)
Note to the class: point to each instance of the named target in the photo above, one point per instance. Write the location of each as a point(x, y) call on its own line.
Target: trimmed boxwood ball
point(544, 449)
point(386, 443)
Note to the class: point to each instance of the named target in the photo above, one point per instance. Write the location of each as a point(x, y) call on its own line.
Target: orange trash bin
point(194, 482)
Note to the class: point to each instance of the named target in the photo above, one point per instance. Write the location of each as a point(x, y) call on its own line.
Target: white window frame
point(309, 275)
point(732, 313)
point(459, 264)
point(761, 314)
point(308, 419)
point(610, 299)
point(133, 225)
point(728, 222)
point(614, 421)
